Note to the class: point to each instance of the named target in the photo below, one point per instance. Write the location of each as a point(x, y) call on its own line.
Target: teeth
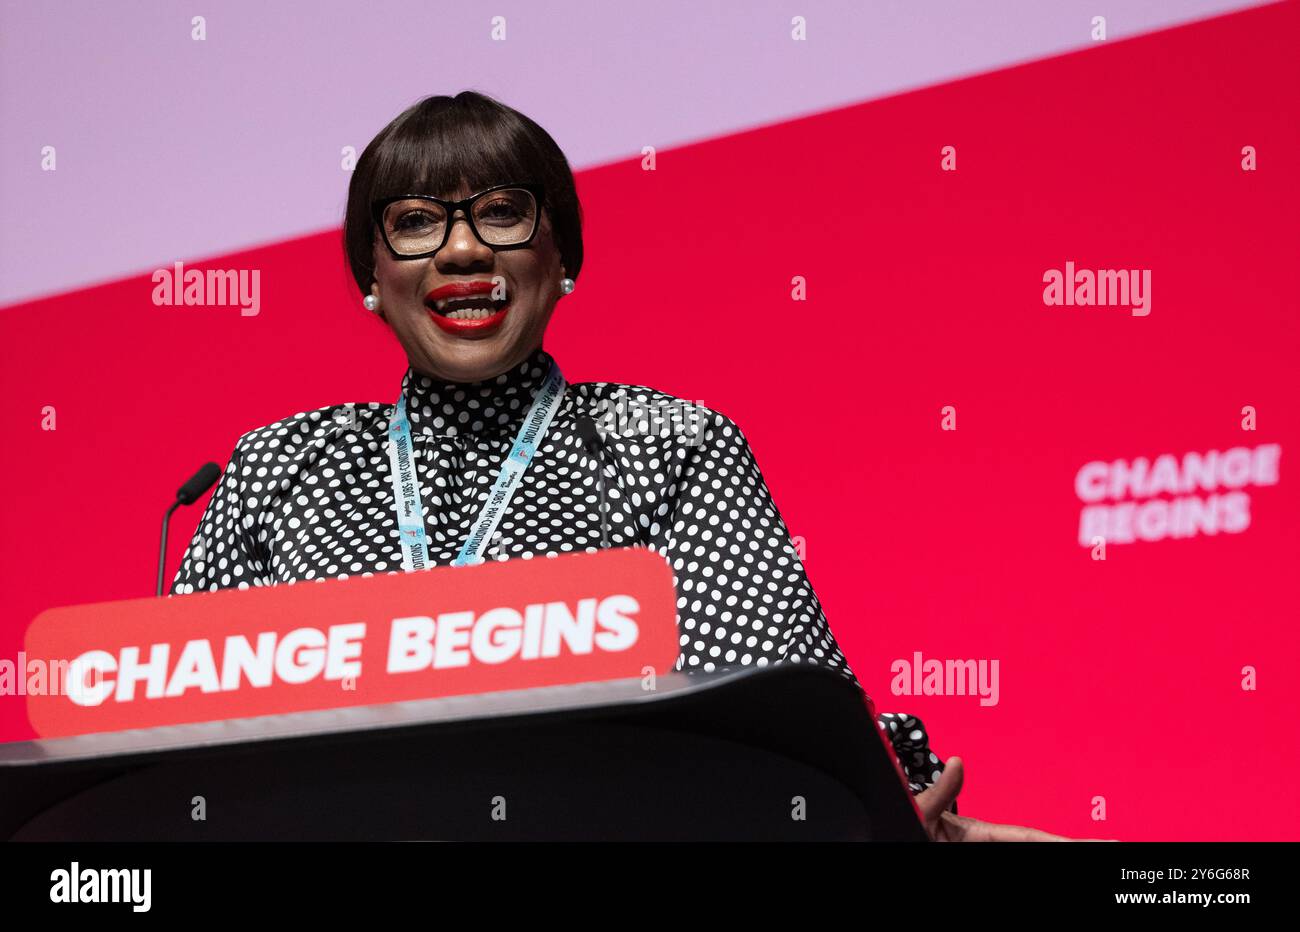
point(441, 304)
point(470, 313)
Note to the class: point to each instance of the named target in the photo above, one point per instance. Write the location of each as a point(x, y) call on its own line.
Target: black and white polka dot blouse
point(310, 497)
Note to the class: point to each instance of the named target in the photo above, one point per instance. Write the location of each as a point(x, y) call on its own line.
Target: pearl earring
point(370, 302)
point(567, 285)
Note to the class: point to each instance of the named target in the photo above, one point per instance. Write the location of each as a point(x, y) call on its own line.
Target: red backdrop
point(1119, 679)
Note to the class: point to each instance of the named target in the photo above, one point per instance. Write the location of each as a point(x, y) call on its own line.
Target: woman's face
point(439, 346)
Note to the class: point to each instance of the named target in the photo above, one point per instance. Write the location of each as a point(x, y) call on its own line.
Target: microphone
point(198, 483)
point(593, 444)
point(187, 494)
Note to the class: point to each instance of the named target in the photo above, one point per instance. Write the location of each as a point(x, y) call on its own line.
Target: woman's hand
point(942, 825)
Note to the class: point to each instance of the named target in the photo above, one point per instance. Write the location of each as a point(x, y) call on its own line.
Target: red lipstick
point(462, 290)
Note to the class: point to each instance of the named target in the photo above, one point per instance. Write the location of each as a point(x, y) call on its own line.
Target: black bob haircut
point(433, 146)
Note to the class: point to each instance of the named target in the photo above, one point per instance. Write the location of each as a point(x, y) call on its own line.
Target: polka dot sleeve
point(223, 554)
point(743, 597)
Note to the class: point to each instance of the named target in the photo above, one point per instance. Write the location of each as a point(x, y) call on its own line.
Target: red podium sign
point(232, 654)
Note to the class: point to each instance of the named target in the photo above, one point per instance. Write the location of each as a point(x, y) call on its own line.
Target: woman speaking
point(463, 232)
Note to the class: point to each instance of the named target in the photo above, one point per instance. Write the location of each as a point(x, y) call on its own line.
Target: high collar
point(449, 409)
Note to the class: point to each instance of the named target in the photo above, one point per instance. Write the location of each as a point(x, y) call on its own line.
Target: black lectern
point(787, 752)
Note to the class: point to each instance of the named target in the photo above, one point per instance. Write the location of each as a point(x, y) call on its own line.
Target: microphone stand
point(162, 549)
point(187, 494)
point(595, 445)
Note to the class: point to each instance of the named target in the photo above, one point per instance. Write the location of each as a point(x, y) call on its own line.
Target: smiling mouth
point(468, 316)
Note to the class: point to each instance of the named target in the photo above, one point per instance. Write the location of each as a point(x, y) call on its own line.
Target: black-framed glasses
point(415, 226)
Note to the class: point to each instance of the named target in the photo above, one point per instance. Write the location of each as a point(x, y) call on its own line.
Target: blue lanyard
point(406, 480)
